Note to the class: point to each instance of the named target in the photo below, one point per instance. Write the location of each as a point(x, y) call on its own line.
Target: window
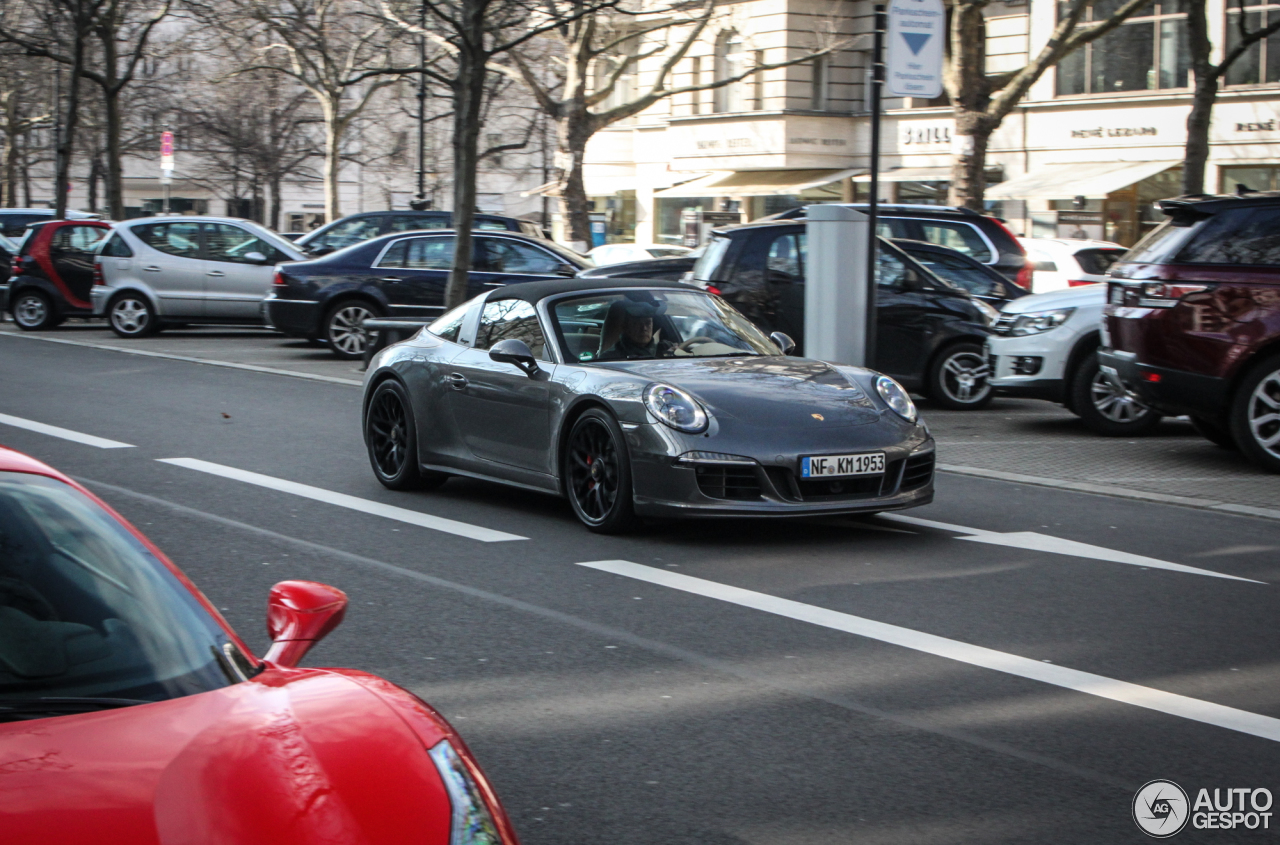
point(416, 222)
point(821, 75)
point(15, 225)
point(1253, 178)
point(499, 255)
point(77, 238)
point(891, 270)
point(507, 319)
point(116, 247)
point(958, 236)
point(181, 239)
point(1261, 62)
point(449, 324)
point(965, 274)
point(1236, 236)
point(224, 242)
point(348, 232)
point(785, 262)
point(1146, 52)
point(731, 61)
point(490, 223)
point(695, 77)
point(1097, 262)
point(419, 254)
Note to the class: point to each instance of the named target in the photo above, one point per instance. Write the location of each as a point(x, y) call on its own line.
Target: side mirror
point(783, 342)
point(299, 615)
point(566, 270)
point(513, 351)
point(255, 257)
point(320, 250)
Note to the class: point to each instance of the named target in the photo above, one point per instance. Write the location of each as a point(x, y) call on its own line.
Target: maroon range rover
point(1192, 322)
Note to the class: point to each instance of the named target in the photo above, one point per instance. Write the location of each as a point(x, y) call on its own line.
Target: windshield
point(709, 260)
point(637, 324)
point(86, 610)
point(285, 245)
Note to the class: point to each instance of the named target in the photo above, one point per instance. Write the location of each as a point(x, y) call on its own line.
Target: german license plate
point(829, 466)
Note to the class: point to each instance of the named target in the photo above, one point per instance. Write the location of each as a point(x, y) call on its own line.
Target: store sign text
point(826, 142)
point(732, 144)
point(1115, 132)
point(1264, 126)
point(926, 135)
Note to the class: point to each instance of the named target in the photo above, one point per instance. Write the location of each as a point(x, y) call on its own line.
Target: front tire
point(958, 378)
point(1255, 415)
point(1106, 407)
point(132, 315)
point(597, 473)
point(34, 311)
point(344, 328)
point(391, 436)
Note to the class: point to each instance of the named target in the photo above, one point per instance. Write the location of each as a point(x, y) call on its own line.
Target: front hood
point(292, 756)
point(1078, 297)
point(771, 392)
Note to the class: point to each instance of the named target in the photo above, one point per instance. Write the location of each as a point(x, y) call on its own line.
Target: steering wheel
point(683, 346)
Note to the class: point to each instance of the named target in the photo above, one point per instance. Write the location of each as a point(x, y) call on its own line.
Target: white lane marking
point(1034, 541)
point(64, 433)
point(342, 500)
point(1101, 686)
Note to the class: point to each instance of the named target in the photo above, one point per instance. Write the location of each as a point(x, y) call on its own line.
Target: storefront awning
point(757, 183)
point(918, 174)
point(1088, 179)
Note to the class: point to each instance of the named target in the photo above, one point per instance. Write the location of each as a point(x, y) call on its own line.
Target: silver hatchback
point(172, 270)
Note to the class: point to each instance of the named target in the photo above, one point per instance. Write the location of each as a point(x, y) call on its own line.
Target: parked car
point(930, 333)
point(1045, 347)
point(619, 253)
point(978, 236)
point(156, 271)
point(1192, 322)
point(14, 221)
point(52, 274)
point(1059, 263)
point(980, 280)
point(355, 228)
point(401, 275)
point(639, 399)
point(130, 711)
point(668, 269)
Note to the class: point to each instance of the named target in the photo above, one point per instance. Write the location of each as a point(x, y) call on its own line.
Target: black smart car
point(930, 332)
point(400, 275)
point(355, 228)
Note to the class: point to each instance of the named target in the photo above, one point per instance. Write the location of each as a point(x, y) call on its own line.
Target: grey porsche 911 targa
point(635, 399)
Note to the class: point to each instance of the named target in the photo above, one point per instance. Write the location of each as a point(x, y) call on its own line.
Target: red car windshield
point(87, 613)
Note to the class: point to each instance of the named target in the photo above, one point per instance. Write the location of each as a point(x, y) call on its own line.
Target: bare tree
point(981, 101)
point(22, 110)
point(609, 47)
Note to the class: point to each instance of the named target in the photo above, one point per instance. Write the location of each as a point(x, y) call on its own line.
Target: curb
point(1117, 492)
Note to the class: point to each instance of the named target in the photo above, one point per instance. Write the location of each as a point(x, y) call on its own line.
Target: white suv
point(1045, 347)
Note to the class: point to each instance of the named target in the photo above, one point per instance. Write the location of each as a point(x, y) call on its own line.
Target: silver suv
point(167, 270)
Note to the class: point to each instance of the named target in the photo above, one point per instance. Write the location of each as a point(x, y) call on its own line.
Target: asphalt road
point(1011, 669)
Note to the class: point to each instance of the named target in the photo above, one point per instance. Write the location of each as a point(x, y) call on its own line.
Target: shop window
point(1260, 63)
point(1252, 178)
point(821, 78)
point(731, 61)
point(1147, 52)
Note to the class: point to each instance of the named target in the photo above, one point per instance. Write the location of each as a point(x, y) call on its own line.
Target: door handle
point(456, 380)
point(215, 273)
point(495, 284)
point(392, 279)
point(152, 269)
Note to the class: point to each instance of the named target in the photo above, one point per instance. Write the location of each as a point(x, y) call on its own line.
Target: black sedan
point(959, 269)
point(635, 399)
point(400, 275)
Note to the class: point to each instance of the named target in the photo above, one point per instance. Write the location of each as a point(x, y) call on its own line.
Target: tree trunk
point(274, 218)
point(574, 132)
point(468, 99)
point(9, 196)
point(1198, 120)
point(62, 170)
point(95, 173)
point(969, 159)
point(333, 130)
point(111, 103)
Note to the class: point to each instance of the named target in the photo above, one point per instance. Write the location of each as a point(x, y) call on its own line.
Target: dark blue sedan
point(400, 275)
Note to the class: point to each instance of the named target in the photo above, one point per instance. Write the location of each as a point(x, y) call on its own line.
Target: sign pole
point(877, 83)
point(166, 165)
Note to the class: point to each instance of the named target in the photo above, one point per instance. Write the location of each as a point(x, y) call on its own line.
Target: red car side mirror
point(299, 615)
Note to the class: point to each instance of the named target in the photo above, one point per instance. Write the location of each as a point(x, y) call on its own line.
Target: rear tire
point(34, 311)
point(132, 315)
point(1255, 414)
point(596, 470)
point(958, 378)
point(1104, 407)
point(391, 435)
point(1216, 431)
point(344, 328)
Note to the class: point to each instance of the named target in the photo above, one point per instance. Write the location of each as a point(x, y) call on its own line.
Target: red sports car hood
point(294, 756)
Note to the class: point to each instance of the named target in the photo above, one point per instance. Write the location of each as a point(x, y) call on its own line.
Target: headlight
point(1039, 321)
point(675, 407)
point(896, 398)
point(472, 823)
point(987, 311)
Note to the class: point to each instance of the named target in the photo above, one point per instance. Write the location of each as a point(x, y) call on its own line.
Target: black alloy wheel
point(1255, 414)
point(1106, 405)
point(958, 379)
point(132, 315)
point(1216, 431)
point(597, 473)
point(344, 328)
point(392, 440)
point(34, 311)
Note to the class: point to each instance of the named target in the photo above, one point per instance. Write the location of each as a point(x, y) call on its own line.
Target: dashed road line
point(1181, 706)
point(342, 500)
point(64, 433)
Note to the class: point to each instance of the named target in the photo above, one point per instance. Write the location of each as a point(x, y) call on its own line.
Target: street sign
point(917, 34)
point(166, 151)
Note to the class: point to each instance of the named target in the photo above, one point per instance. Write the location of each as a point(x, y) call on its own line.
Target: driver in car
point(631, 321)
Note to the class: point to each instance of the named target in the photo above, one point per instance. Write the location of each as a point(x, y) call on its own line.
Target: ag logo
point(1161, 808)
